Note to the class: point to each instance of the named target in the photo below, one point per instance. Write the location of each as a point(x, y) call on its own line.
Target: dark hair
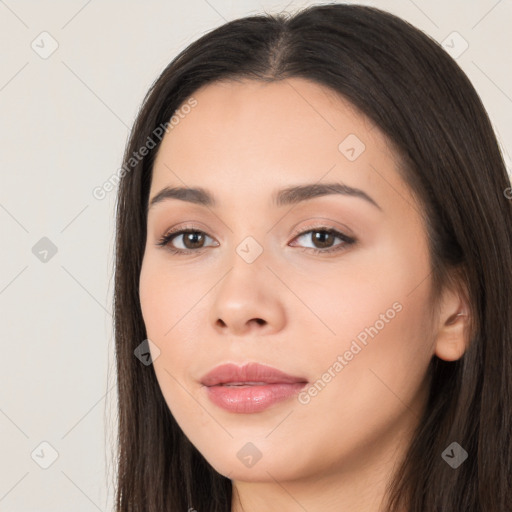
point(448, 155)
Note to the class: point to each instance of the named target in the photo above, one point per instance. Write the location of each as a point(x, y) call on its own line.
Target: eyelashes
point(168, 238)
point(195, 235)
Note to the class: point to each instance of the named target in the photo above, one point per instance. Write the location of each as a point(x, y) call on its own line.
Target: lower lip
point(250, 399)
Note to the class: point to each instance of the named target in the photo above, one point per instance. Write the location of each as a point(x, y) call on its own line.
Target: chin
point(261, 471)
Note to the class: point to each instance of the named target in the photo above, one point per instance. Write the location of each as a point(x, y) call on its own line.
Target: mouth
point(229, 384)
point(251, 388)
point(252, 374)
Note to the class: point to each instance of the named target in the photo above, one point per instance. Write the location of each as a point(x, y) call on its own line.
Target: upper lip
point(250, 373)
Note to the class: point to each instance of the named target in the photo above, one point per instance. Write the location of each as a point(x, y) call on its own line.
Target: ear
point(453, 325)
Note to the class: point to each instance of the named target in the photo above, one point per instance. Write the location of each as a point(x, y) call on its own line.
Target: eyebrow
point(286, 196)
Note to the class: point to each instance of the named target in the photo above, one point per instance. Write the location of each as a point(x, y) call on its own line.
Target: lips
point(251, 388)
point(251, 374)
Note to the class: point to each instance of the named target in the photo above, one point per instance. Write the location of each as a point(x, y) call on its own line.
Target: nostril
point(259, 321)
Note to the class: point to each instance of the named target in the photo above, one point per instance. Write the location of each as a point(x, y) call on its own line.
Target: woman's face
point(350, 319)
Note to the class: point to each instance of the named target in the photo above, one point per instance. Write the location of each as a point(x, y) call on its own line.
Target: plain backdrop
point(72, 76)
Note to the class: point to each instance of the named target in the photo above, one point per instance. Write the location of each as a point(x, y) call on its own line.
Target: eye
point(192, 240)
point(323, 239)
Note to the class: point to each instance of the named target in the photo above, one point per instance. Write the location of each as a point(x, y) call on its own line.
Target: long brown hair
point(424, 103)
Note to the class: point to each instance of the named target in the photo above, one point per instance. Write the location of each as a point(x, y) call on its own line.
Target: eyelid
point(322, 224)
point(185, 227)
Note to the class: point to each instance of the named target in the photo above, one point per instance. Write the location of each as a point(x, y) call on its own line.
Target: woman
point(313, 251)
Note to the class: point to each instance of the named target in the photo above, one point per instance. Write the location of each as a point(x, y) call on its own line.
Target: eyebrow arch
point(296, 194)
point(286, 196)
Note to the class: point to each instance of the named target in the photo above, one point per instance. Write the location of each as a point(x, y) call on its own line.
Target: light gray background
point(64, 124)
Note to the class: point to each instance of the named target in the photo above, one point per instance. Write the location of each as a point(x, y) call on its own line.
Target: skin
point(243, 141)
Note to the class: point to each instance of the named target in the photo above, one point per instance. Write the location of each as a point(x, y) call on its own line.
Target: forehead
point(273, 112)
point(257, 136)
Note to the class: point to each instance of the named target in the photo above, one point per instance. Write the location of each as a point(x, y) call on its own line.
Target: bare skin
point(291, 308)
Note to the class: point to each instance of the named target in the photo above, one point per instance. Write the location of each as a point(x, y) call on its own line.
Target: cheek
point(165, 309)
point(173, 314)
point(166, 296)
point(375, 366)
point(375, 311)
point(347, 298)
point(154, 301)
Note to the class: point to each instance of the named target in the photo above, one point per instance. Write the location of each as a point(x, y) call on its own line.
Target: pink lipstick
point(250, 388)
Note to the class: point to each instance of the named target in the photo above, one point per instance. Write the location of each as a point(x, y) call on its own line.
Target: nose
point(248, 299)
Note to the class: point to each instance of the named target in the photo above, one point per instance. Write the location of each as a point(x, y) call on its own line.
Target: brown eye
point(191, 240)
point(323, 240)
